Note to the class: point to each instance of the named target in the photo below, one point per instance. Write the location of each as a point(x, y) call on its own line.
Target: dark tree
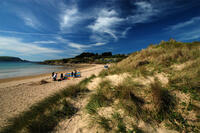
point(106, 54)
point(85, 54)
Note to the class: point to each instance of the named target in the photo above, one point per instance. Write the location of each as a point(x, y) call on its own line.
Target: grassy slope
point(173, 104)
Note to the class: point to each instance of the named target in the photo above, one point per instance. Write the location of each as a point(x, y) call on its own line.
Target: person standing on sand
point(52, 74)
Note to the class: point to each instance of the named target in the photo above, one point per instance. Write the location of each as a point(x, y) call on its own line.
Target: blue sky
point(51, 29)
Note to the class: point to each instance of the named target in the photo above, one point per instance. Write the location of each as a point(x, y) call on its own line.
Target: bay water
point(17, 69)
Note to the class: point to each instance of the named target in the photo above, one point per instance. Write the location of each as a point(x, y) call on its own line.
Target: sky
point(39, 30)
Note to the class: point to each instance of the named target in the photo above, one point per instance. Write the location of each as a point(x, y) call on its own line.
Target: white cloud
point(185, 24)
point(106, 22)
point(44, 42)
point(27, 33)
point(187, 30)
point(60, 39)
point(78, 46)
point(30, 19)
point(99, 37)
point(17, 45)
point(69, 17)
point(109, 21)
point(83, 46)
point(143, 12)
point(98, 44)
point(125, 32)
point(189, 35)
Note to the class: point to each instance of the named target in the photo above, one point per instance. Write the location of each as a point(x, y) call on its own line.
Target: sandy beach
point(18, 94)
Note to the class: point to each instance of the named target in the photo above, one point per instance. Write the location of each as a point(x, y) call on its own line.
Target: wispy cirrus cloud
point(190, 22)
point(78, 46)
point(69, 17)
point(125, 32)
point(112, 22)
point(189, 35)
point(144, 11)
point(44, 42)
point(83, 46)
point(28, 33)
point(186, 30)
point(106, 23)
point(98, 44)
point(17, 45)
point(30, 19)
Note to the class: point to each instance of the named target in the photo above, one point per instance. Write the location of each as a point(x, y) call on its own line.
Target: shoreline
point(18, 78)
point(20, 93)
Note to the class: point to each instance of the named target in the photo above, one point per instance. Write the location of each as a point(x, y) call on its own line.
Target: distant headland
point(11, 59)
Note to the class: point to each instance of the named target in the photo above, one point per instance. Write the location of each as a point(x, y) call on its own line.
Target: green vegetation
point(158, 57)
point(45, 115)
point(11, 59)
point(87, 57)
point(167, 74)
point(103, 122)
point(164, 102)
point(98, 100)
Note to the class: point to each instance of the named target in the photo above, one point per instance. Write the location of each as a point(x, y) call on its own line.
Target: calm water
point(16, 69)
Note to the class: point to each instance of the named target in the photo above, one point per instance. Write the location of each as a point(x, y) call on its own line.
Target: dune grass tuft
point(103, 122)
point(96, 101)
point(164, 102)
point(121, 128)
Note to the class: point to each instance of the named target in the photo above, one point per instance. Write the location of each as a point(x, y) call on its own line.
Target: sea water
point(17, 69)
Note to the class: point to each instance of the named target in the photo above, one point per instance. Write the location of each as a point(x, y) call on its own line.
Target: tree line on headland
point(88, 57)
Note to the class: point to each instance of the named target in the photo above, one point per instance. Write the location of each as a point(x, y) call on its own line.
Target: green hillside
point(87, 57)
point(10, 59)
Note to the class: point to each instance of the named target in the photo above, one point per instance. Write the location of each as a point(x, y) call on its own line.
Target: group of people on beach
point(62, 77)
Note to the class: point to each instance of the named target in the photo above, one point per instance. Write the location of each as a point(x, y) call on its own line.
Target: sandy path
point(18, 96)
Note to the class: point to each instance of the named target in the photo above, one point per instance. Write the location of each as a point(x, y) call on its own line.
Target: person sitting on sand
point(72, 74)
point(55, 77)
point(52, 74)
point(75, 73)
point(61, 76)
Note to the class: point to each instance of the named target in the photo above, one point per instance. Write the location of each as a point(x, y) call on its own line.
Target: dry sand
point(18, 94)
